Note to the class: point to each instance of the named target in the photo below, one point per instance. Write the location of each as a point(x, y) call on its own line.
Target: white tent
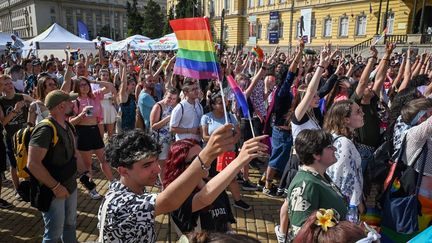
point(58, 38)
point(134, 41)
point(166, 43)
point(108, 41)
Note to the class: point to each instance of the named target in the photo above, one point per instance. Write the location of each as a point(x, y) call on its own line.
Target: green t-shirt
point(309, 192)
point(62, 166)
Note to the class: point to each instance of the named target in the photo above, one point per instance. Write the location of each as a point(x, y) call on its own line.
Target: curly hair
point(311, 142)
point(343, 232)
point(128, 147)
point(175, 164)
point(334, 121)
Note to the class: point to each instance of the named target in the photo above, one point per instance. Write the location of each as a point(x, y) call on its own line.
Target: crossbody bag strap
point(103, 216)
point(424, 152)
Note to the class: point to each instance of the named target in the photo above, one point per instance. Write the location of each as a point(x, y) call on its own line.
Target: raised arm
point(123, 95)
point(407, 73)
point(400, 74)
point(251, 149)
point(382, 68)
point(312, 88)
point(67, 83)
point(179, 190)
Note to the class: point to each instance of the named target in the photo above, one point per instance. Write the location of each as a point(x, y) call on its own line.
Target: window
point(260, 3)
point(327, 31)
point(280, 29)
point(313, 28)
point(361, 25)
point(271, 2)
point(390, 22)
point(225, 33)
point(52, 10)
point(211, 8)
point(282, 1)
point(259, 30)
point(251, 3)
point(227, 5)
point(298, 29)
point(343, 26)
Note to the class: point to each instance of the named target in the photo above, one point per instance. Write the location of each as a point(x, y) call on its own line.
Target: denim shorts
point(282, 142)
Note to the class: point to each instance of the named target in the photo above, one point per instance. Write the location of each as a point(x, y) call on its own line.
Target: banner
point(82, 30)
point(307, 23)
point(273, 28)
point(252, 30)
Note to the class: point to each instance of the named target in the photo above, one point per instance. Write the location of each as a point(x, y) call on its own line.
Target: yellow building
point(343, 22)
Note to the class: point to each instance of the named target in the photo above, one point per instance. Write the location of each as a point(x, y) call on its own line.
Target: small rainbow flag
point(258, 53)
point(196, 57)
point(240, 97)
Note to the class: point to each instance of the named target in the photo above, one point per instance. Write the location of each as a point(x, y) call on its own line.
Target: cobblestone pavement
point(24, 223)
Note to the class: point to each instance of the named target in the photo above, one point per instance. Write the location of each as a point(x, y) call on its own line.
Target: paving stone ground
point(24, 223)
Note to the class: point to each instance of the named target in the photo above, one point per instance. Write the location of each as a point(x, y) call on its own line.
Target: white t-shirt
point(188, 117)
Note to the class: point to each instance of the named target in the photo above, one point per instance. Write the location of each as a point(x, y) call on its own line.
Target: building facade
point(28, 18)
point(342, 22)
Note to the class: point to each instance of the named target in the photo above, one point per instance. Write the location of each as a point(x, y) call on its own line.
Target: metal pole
point(291, 26)
point(221, 34)
point(379, 18)
point(414, 16)
point(422, 17)
point(386, 14)
point(10, 17)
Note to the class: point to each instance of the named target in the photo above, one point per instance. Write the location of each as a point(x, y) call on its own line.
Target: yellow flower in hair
point(325, 218)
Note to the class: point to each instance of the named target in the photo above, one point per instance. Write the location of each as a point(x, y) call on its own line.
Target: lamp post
point(414, 16)
point(379, 18)
point(26, 14)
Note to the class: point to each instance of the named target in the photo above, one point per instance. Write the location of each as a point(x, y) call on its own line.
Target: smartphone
point(74, 55)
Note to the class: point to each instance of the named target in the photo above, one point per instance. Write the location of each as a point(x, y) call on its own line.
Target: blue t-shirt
point(214, 123)
point(145, 104)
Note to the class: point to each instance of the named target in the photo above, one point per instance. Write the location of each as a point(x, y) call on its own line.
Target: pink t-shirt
point(95, 102)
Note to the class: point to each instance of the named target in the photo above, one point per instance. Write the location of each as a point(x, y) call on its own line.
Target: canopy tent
point(134, 41)
point(166, 43)
point(4, 39)
point(58, 38)
point(107, 41)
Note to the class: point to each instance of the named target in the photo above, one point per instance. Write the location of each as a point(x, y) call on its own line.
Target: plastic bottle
point(352, 214)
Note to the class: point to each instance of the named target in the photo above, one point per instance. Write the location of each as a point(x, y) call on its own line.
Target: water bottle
point(352, 214)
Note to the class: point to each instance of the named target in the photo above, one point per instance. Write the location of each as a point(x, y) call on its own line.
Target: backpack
point(20, 142)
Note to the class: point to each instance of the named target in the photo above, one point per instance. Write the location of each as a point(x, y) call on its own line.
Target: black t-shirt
point(214, 217)
point(20, 120)
point(61, 165)
point(369, 134)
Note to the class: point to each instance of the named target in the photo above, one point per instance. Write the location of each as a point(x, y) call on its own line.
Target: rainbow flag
point(196, 56)
point(258, 53)
point(240, 97)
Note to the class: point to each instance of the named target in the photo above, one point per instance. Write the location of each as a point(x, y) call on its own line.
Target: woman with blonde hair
point(341, 120)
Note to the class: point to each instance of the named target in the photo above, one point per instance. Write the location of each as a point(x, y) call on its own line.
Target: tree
point(153, 20)
point(167, 27)
point(187, 9)
point(135, 20)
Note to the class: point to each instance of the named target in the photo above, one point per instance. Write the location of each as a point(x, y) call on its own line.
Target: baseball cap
point(36, 63)
point(56, 97)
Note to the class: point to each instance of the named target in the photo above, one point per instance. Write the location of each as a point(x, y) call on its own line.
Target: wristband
point(263, 68)
point(55, 187)
point(206, 168)
point(321, 66)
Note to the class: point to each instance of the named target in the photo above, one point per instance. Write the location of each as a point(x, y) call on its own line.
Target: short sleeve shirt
point(308, 192)
point(129, 217)
point(186, 115)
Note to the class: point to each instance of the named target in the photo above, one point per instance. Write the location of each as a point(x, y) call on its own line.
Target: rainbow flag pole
point(196, 56)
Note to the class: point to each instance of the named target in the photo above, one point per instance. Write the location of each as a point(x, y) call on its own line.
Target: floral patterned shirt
point(129, 217)
point(347, 173)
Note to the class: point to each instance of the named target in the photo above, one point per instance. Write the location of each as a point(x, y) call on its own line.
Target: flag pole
point(219, 74)
point(251, 126)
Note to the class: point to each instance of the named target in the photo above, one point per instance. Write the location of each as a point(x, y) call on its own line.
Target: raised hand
point(221, 140)
point(373, 51)
point(252, 149)
point(390, 47)
point(325, 58)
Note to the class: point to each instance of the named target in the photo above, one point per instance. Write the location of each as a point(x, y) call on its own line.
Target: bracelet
point(321, 66)
point(14, 111)
point(263, 68)
point(55, 187)
point(206, 168)
point(386, 59)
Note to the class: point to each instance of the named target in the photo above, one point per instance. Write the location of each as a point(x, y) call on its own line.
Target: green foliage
point(167, 27)
point(135, 20)
point(153, 20)
point(187, 9)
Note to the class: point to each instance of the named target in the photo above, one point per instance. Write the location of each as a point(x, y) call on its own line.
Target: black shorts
point(2, 155)
point(88, 138)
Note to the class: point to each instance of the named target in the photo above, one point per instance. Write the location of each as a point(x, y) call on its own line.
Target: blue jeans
point(282, 142)
point(60, 220)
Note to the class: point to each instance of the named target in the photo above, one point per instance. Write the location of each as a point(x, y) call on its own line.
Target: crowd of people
point(316, 121)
